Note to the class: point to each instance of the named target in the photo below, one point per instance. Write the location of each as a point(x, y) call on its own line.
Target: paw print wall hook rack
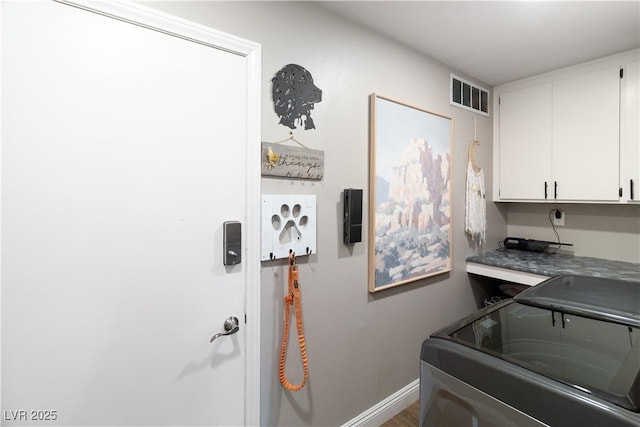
point(288, 225)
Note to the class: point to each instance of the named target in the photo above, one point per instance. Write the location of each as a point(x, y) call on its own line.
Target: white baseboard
point(387, 408)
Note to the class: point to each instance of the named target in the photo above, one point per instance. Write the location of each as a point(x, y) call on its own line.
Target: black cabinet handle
point(555, 189)
point(545, 189)
point(631, 189)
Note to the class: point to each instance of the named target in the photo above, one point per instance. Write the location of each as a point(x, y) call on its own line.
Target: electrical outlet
point(558, 218)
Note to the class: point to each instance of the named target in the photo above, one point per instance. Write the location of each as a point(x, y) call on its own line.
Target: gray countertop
point(550, 265)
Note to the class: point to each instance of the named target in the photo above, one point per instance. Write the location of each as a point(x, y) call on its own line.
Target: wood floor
point(407, 418)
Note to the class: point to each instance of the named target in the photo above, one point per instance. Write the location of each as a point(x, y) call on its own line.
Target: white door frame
point(176, 27)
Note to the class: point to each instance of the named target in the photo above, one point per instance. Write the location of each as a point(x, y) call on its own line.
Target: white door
point(127, 141)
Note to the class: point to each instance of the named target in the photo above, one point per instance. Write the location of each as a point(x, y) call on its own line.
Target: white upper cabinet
point(525, 121)
point(569, 135)
point(586, 136)
point(630, 133)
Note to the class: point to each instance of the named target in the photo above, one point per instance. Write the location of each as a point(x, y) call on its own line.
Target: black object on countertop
point(530, 244)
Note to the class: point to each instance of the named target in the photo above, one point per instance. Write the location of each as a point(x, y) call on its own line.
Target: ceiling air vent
point(469, 96)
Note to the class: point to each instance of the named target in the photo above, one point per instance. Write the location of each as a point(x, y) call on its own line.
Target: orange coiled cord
point(293, 298)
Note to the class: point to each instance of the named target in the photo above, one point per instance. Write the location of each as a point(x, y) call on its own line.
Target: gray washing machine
point(565, 352)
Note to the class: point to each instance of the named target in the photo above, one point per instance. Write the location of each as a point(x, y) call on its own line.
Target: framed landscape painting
point(409, 193)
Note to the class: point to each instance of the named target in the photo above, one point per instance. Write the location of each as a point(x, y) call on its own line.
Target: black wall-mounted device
point(352, 218)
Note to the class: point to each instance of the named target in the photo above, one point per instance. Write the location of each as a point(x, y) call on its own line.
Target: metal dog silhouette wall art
point(294, 95)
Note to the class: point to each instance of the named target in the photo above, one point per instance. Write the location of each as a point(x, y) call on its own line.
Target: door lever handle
point(231, 326)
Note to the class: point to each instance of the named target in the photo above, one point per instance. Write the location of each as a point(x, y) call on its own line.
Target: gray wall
point(600, 231)
point(362, 347)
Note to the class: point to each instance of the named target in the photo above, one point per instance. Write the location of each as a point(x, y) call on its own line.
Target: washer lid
point(596, 356)
point(596, 297)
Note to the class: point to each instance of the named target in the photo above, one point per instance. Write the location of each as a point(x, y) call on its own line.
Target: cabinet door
point(586, 135)
point(525, 142)
point(630, 133)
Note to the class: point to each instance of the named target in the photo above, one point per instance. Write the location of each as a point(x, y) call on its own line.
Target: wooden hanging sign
point(291, 162)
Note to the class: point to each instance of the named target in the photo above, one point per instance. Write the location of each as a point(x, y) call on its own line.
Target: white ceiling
point(497, 42)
